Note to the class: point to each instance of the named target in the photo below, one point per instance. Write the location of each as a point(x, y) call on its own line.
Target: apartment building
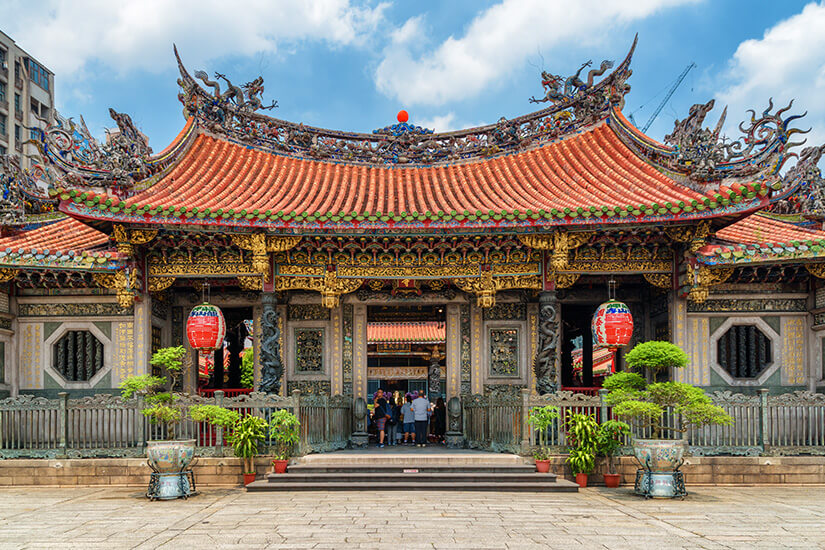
point(26, 95)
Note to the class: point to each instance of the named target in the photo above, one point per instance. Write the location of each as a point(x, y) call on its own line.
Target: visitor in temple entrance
point(408, 420)
point(394, 411)
point(381, 414)
point(439, 420)
point(421, 412)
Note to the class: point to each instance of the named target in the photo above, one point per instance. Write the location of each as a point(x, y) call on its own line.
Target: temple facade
point(466, 262)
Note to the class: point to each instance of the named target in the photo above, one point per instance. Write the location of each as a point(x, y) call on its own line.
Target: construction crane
point(666, 99)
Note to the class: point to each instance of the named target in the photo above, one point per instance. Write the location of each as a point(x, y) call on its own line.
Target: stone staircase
point(408, 470)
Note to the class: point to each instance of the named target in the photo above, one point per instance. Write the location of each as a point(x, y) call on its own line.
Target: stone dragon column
point(547, 356)
point(272, 370)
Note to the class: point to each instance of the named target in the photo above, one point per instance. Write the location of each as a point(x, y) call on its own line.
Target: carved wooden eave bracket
point(701, 278)
point(817, 270)
point(330, 286)
point(261, 245)
point(559, 243)
point(486, 286)
point(659, 280)
point(120, 282)
point(126, 239)
point(563, 280)
point(159, 284)
point(8, 274)
point(695, 236)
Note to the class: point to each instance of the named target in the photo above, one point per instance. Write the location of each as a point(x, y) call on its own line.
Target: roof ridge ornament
point(803, 187)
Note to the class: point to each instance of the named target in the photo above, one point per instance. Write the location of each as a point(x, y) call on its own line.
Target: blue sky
point(351, 65)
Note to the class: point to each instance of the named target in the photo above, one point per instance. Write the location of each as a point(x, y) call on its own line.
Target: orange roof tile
point(65, 235)
point(406, 333)
point(758, 228)
point(590, 174)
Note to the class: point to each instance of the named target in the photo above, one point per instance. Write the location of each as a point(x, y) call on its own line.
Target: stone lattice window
point(744, 351)
point(77, 355)
point(504, 352)
point(309, 350)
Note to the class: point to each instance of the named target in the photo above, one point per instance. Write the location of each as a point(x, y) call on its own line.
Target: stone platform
point(413, 468)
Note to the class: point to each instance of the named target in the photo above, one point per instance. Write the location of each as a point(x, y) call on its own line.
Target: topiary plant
point(644, 405)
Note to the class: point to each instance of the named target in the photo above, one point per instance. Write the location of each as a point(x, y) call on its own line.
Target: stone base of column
point(455, 440)
point(360, 440)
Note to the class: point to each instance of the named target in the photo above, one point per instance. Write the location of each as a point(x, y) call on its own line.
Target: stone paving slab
point(709, 518)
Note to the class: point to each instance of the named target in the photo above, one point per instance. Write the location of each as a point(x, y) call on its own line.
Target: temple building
point(466, 262)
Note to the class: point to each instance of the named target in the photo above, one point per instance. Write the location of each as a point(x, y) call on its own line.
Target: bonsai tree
point(582, 431)
point(162, 405)
point(541, 418)
point(284, 430)
point(609, 440)
point(644, 404)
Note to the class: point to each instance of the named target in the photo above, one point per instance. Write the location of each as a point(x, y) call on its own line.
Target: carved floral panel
point(309, 350)
point(504, 352)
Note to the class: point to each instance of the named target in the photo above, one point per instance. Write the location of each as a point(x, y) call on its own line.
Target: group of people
point(408, 420)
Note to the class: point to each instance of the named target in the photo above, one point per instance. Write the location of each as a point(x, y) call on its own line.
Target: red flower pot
point(581, 479)
point(612, 480)
point(542, 466)
point(280, 466)
point(248, 478)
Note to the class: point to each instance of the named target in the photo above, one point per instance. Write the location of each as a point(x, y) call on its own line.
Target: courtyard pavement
point(710, 517)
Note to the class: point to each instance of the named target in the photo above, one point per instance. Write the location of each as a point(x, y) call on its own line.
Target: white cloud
point(66, 35)
point(788, 62)
point(440, 123)
point(496, 42)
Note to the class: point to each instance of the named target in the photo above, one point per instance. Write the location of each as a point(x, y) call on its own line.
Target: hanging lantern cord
point(611, 288)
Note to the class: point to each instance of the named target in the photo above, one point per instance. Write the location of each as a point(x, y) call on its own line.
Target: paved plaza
point(711, 517)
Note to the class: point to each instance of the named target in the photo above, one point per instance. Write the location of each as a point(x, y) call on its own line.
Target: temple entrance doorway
point(583, 365)
point(405, 351)
point(222, 369)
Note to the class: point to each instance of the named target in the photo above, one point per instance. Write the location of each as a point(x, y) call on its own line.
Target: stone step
point(561, 485)
point(412, 459)
point(382, 468)
point(393, 477)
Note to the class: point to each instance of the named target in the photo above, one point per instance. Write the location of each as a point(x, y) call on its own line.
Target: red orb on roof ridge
point(403, 116)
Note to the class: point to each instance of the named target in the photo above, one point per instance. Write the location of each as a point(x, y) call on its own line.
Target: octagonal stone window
point(744, 351)
point(77, 355)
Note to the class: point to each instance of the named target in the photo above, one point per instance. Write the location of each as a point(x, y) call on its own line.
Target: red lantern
point(205, 327)
point(403, 116)
point(612, 325)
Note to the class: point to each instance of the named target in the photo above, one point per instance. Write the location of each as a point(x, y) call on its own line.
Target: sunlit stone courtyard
point(710, 517)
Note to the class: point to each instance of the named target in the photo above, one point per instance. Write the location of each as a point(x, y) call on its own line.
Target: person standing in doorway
point(439, 420)
point(393, 428)
point(409, 420)
point(421, 412)
point(381, 414)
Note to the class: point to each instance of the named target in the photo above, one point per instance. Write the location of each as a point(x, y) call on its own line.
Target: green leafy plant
point(644, 405)
point(215, 415)
point(609, 440)
point(541, 418)
point(582, 431)
point(248, 368)
point(245, 438)
point(161, 407)
point(656, 356)
point(285, 432)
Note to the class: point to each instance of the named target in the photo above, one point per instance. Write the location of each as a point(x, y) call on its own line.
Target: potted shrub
point(609, 440)
point(644, 404)
point(582, 430)
point(164, 409)
point(541, 418)
point(285, 432)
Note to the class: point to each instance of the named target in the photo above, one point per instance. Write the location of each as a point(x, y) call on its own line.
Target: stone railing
point(107, 426)
point(785, 424)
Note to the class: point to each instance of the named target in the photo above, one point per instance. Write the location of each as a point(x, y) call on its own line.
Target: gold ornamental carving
point(7, 274)
point(125, 239)
point(703, 278)
point(659, 280)
point(817, 270)
point(250, 282)
point(119, 282)
point(486, 286)
point(261, 245)
point(330, 286)
point(559, 243)
point(210, 263)
point(158, 284)
point(696, 236)
point(565, 280)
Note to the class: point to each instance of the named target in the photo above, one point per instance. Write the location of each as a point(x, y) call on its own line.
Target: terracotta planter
point(612, 480)
point(280, 466)
point(542, 466)
point(248, 478)
point(581, 479)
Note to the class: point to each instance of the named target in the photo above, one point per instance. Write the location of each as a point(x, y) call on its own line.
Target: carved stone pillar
point(272, 370)
point(547, 356)
point(434, 375)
